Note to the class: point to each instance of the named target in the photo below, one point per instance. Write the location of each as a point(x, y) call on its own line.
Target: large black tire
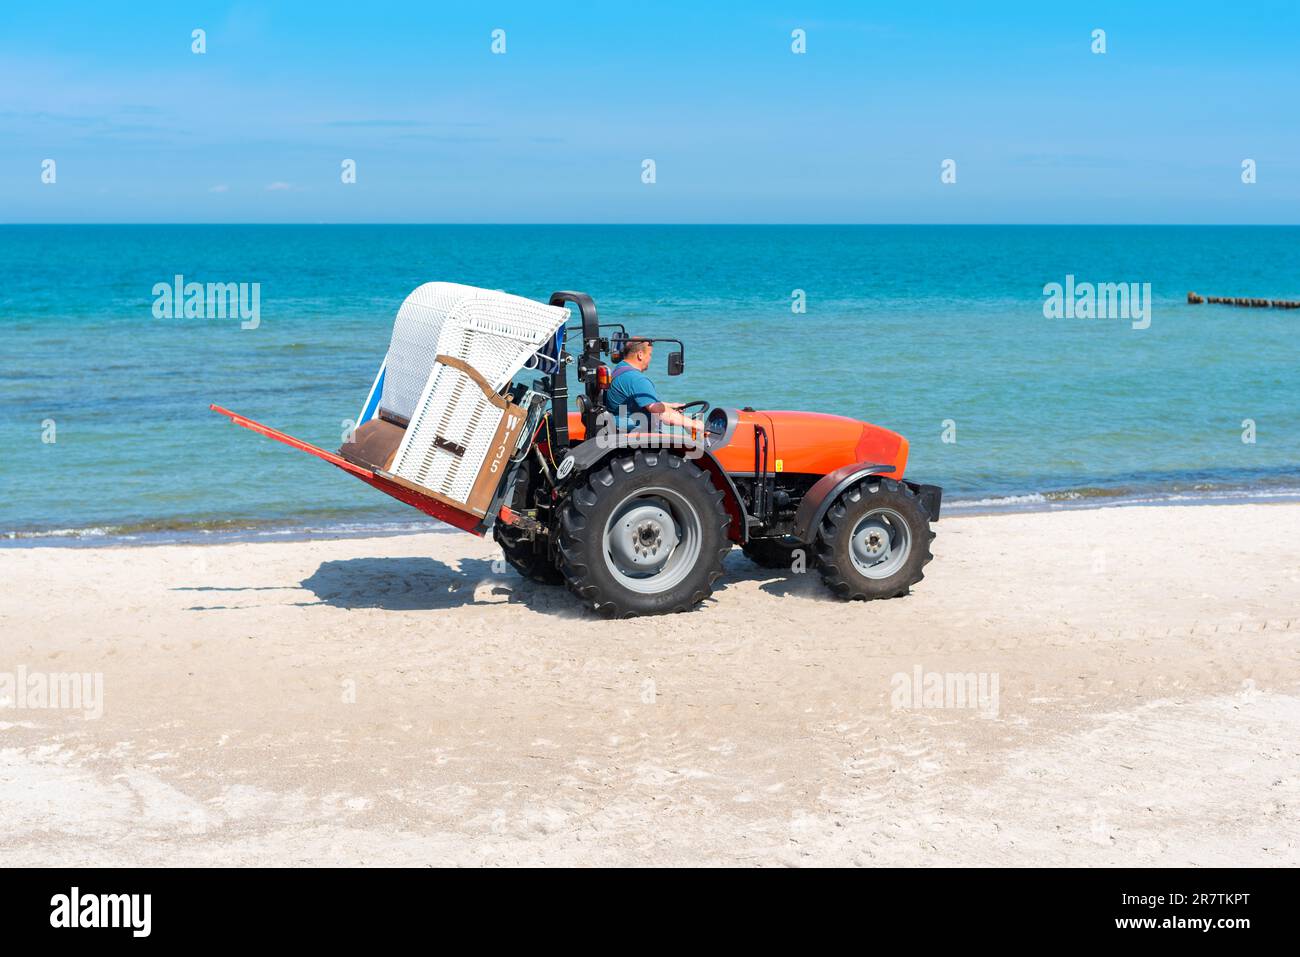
point(871, 498)
point(773, 553)
point(604, 505)
point(527, 557)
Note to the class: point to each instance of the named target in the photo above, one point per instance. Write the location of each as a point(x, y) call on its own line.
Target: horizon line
point(674, 224)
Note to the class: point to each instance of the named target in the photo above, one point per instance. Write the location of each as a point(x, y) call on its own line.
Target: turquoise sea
point(928, 330)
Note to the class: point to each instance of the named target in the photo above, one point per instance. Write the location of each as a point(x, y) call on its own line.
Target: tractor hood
point(815, 443)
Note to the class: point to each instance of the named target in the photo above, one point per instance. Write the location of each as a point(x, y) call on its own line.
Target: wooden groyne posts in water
point(1193, 299)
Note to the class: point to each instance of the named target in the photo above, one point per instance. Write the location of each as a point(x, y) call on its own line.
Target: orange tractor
point(633, 522)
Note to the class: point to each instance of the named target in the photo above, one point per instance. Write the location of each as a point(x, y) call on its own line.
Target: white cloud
point(277, 186)
point(219, 188)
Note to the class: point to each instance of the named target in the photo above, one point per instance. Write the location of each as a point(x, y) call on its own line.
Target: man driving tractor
point(631, 393)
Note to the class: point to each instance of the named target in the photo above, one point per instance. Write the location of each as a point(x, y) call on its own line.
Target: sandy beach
point(402, 700)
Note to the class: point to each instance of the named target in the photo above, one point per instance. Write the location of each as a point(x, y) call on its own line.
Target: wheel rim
point(880, 543)
point(652, 540)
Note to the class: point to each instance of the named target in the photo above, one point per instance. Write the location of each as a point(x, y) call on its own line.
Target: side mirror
point(676, 363)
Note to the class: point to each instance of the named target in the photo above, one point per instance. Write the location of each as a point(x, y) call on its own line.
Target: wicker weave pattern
point(494, 332)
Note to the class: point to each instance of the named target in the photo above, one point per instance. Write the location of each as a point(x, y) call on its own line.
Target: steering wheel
point(698, 416)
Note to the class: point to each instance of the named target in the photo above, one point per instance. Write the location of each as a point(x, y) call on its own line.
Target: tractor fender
point(593, 452)
point(818, 500)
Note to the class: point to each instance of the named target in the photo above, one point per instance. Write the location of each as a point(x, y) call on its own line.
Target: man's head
point(637, 353)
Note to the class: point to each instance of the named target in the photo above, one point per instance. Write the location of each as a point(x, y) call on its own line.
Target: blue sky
point(740, 128)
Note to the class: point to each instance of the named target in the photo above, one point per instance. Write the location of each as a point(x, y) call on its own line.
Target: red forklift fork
point(432, 507)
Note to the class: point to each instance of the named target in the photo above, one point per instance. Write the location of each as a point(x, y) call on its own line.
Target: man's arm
point(670, 414)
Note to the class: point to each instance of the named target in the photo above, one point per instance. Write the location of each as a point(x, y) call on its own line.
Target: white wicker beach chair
point(452, 423)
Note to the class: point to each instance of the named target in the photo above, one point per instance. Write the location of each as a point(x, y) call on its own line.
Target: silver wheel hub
point(644, 538)
point(880, 543)
point(652, 540)
point(871, 541)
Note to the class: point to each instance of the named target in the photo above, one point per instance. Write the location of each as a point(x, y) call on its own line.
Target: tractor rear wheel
point(526, 558)
point(644, 534)
point(874, 541)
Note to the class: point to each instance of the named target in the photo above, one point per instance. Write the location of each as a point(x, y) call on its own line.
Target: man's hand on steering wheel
point(674, 413)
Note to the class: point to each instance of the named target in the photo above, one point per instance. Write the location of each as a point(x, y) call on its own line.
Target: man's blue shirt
point(630, 393)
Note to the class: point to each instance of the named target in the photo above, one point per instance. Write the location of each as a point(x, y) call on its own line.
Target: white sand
point(1148, 706)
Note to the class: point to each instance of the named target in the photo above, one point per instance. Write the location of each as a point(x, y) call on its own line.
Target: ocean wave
point(94, 532)
point(1098, 497)
point(1001, 501)
point(173, 531)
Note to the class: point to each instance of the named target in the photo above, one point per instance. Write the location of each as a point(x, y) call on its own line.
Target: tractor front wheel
point(644, 535)
point(874, 541)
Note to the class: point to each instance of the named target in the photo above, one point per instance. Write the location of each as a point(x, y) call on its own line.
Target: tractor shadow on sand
point(425, 584)
point(777, 582)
